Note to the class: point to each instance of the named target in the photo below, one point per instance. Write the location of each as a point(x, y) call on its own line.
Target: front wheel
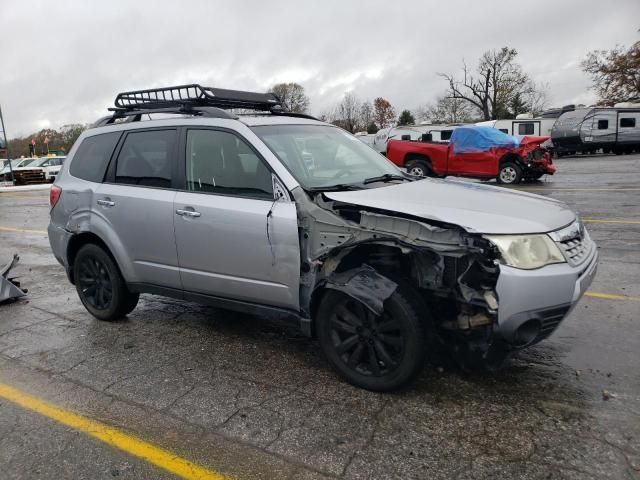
point(100, 286)
point(375, 352)
point(418, 168)
point(509, 174)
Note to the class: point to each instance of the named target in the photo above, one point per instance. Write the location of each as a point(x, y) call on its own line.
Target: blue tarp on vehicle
point(470, 139)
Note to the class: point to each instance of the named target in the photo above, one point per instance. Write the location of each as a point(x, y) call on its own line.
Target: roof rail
point(196, 95)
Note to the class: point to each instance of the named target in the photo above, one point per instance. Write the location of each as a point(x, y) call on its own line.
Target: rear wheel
point(509, 174)
point(419, 168)
point(100, 286)
point(375, 352)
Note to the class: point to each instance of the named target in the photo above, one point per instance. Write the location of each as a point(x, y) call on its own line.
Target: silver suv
point(281, 215)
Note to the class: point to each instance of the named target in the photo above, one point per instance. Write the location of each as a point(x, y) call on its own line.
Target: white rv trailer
point(522, 125)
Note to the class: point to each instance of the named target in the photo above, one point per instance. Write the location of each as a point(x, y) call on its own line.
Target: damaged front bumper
point(534, 302)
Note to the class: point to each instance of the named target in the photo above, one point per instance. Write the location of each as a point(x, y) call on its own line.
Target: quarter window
point(93, 155)
point(525, 129)
point(603, 124)
point(627, 122)
point(504, 130)
point(221, 162)
point(146, 159)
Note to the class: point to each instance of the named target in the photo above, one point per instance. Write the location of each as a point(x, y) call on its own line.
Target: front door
point(234, 241)
point(136, 202)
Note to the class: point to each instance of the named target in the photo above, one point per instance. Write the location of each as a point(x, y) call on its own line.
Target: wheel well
point(76, 242)
point(511, 157)
point(416, 156)
point(385, 259)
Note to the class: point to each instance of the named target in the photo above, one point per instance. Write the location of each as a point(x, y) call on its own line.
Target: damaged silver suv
point(278, 214)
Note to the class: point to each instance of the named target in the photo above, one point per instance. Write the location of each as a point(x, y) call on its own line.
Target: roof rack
point(197, 95)
point(192, 99)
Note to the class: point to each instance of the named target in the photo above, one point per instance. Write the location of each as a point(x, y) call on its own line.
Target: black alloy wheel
point(376, 352)
point(95, 283)
point(371, 345)
point(100, 285)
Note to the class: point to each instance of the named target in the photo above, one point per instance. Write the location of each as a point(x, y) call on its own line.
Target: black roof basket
point(192, 99)
point(195, 95)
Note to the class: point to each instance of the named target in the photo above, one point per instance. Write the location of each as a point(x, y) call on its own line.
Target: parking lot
point(218, 393)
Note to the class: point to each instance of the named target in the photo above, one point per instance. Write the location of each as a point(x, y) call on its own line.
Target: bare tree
point(292, 96)
point(383, 113)
point(497, 81)
point(449, 110)
point(366, 115)
point(347, 114)
point(615, 73)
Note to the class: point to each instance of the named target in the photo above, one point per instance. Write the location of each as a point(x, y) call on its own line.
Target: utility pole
point(6, 145)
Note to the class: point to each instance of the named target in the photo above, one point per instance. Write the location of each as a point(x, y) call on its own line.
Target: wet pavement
point(256, 400)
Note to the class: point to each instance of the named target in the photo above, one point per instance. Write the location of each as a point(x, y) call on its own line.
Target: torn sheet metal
point(364, 284)
point(9, 287)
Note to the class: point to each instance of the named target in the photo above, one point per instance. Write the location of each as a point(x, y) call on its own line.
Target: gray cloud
point(65, 61)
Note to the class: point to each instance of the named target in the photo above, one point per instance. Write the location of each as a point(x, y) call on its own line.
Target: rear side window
point(146, 158)
point(627, 122)
point(603, 124)
point(525, 129)
point(503, 130)
point(93, 155)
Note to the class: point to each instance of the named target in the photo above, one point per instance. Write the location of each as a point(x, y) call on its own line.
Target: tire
point(100, 286)
point(343, 323)
point(418, 168)
point(509, 174)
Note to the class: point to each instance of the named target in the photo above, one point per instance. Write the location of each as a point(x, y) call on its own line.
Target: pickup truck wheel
point(509, 174)
point(100, 286)
point(375, 352)
point(418, 168)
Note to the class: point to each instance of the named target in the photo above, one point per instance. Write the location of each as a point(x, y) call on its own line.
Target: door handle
point(187, 213)
point(106, 203)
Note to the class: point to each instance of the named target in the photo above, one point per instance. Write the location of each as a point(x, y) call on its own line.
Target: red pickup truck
point(507, 164)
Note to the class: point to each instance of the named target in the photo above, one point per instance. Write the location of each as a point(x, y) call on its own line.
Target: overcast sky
point(64, 61)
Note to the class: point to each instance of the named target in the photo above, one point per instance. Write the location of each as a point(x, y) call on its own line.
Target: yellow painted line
point(607, 220)
point(23, 230)
point(157, 456)
point(562, 189)
point(611, 296)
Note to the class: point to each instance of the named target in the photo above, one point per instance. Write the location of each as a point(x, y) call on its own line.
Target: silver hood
point(473, 206)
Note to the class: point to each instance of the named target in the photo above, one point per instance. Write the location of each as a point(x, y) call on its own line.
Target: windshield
point(26, 162)
point(323, 156)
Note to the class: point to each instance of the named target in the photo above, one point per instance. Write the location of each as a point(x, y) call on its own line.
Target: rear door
point(136, 203)
point(234, 240)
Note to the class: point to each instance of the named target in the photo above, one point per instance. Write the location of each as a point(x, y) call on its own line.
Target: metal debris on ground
point(10, 287)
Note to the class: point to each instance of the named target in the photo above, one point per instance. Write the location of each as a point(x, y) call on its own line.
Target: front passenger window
point(221, 162)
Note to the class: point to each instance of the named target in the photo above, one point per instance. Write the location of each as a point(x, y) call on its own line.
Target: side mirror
point(405, 137)
point(427, 137)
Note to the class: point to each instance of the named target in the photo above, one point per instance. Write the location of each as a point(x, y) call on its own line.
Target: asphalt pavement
point(243, 397)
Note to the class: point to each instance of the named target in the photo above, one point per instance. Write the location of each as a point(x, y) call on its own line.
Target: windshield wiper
point(334, 188)
point(387, 177)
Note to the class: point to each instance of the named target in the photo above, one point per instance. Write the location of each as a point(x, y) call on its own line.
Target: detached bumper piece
point(10, 287)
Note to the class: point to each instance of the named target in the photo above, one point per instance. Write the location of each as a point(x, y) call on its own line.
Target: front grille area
point(575, 249)
point(574, 242)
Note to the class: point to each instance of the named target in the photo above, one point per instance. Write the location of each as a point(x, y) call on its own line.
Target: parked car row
point(28, 171)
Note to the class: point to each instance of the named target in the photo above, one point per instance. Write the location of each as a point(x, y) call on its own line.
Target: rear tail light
point(54, 195)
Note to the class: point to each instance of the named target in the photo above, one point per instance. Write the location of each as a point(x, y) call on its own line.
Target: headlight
point(527, 251)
